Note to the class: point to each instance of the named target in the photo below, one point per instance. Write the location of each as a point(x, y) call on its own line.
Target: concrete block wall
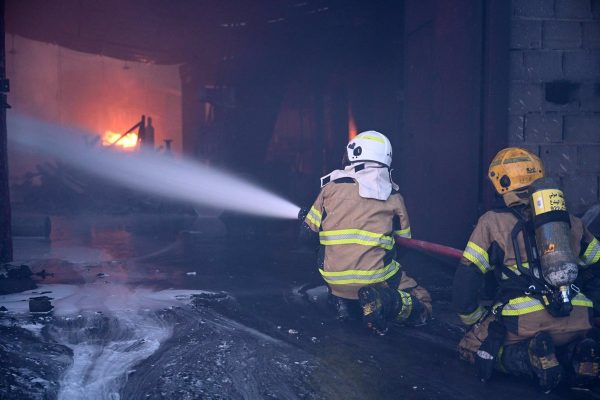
point(554, 107)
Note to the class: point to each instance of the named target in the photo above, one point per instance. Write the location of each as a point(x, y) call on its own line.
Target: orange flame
point(127, 143)
point(352, 129)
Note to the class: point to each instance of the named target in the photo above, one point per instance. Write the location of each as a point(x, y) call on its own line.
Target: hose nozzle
point(303, 213)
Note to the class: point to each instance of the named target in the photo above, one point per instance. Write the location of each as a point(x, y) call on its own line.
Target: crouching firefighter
point(539, 324)
point(356, 217)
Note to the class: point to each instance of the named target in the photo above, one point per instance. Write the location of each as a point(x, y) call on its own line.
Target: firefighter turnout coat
point(490, 250)
point(357, 237)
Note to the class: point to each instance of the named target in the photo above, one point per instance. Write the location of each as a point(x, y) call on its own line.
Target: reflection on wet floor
point(266, 340)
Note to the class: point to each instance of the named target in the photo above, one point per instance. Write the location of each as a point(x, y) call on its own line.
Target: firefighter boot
point(378, 304)
point(585, 364)
point(534, 358)
point(346, 309)
point(485, 358)
point(543, 361)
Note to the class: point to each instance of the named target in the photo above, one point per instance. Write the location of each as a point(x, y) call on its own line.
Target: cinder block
point(525, 97)
point(543, 65)
point(535, 149)
point(591, 35)
point(517, 66)
point(516, 125)
point(584, 65)
point(589, 159)
point(561, 34)
point(525, 34)
point(533, 8)
point(561, 96)
point(543, 128)
point(575, 9)
point(559, 160)
point(580, 192)
point(589, 95)
point(582, 129)
point(561, 108)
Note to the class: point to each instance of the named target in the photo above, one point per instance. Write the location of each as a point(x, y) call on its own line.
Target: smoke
point(177, 179)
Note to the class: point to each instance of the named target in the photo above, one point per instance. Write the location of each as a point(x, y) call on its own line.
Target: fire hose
point(430, 247)
point(421, 245)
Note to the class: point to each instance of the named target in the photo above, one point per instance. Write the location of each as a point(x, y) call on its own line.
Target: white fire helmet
point(370, 146)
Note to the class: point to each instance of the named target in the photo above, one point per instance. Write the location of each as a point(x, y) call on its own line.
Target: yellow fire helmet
point(514, 168)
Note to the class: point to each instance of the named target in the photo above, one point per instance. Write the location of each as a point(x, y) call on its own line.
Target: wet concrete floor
point(251, 333)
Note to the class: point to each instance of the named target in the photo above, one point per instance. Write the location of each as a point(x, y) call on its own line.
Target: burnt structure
point(6, 248)
point(274, 88)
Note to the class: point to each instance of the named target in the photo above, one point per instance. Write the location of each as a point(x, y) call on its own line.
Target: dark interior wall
point(430, 74)
point(376, 85)
point(230, 106)
point(495, 92)
point(445, 135)
point(349, 59)
point(6, 245)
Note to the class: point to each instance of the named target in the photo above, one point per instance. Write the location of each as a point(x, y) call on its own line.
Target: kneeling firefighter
point(539, 324)
point(356, 216)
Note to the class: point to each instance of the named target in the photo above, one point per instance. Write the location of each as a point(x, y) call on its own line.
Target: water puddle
point(109, 328)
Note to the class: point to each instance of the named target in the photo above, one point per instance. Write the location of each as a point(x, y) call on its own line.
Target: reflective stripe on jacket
point(490, 246)
point(591, 254)
point(359, 276)
point(525, 305)
point(357, 236)
point(477, 256)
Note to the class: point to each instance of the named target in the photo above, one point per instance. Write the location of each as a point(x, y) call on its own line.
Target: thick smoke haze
point(152, 173)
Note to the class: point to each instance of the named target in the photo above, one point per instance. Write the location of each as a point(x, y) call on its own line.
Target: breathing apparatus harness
point(550, 275)
point(530, 281)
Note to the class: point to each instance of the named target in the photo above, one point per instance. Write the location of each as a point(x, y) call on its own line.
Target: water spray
point(153, 173)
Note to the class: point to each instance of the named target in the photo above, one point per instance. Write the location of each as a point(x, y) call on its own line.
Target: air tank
point(553, 235)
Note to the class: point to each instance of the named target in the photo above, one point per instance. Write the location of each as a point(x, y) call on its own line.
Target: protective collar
point(516, 198)
point(374, 179)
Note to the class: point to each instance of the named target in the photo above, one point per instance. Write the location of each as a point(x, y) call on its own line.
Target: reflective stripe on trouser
point(592, 253)
point(407, 306)
point(473, 317)
point(525, 305)
point(523, 327)
point(357, 276)
point(403, 233)
point(314, 216)
point(356, 236)
point(477, 256)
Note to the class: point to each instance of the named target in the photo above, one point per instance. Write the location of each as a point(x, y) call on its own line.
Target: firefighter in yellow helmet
point(539, 323)
point(355, 217)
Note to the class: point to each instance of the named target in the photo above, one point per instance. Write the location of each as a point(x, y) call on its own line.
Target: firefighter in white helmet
point(356, 216)
point(539, 323)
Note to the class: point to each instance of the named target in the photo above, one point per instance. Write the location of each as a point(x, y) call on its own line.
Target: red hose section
point(430, 247)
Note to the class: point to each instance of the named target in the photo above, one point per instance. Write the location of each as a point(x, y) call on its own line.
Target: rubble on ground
point(15, 278)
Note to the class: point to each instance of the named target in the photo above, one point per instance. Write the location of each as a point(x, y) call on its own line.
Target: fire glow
point(128, 143)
